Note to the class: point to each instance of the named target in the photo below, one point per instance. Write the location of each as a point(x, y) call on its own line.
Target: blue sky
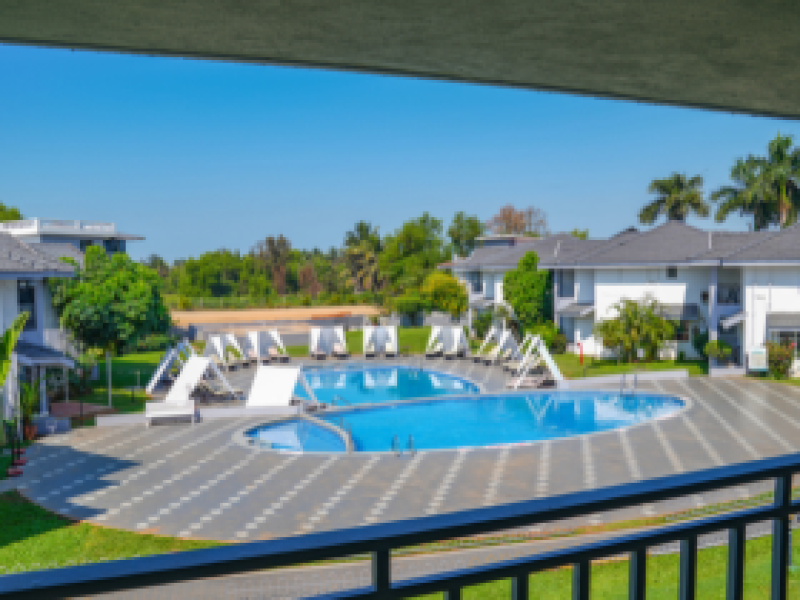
point(197, 155)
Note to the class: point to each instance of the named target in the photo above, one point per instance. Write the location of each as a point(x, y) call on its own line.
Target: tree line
point(388, 269)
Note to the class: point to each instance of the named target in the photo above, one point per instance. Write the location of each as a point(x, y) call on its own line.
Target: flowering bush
point(780, 358)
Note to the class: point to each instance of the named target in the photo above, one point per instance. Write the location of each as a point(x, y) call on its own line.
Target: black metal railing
point(380, 540)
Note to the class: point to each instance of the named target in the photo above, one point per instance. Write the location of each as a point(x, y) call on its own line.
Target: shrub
point(717, 349)
point(548, 332)
point(699, 341)
point(481, 323)
point(780, 358)
point(154, 341)
point(681, 356)
point(559, 344)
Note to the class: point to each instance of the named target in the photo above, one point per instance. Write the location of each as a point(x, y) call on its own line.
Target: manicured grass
point(592, 367)
point(32, 538)
point(410, 339)
point(609, 580)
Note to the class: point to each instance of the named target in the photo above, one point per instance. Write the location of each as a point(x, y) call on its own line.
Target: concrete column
point(66, 384)
point(713, 313)
point(556, 276)
point(43, 408)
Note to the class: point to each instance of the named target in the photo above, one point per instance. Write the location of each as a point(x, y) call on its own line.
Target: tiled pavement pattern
point(185, 480)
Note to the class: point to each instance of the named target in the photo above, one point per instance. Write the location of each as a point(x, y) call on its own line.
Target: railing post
point(453, 593)
point(688, 569)
point(581, 577)
point(736, 542)
point(781, 546)
point(381, 570)
point(519, 587)
point(637, 574)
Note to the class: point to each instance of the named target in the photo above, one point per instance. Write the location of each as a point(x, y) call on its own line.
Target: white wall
point(613, 285)
point(768, 289)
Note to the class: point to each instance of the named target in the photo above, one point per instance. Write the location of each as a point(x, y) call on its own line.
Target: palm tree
point(676, 197)
point(766, 187)
point(751, 194)
point(362, 262)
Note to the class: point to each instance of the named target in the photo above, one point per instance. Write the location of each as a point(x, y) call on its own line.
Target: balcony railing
point(36, 226)
point(380, 540)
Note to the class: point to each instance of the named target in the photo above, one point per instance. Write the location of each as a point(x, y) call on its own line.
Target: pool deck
point(195, 481)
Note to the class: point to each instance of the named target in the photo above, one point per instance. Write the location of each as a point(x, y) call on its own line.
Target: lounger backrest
point(190, 376)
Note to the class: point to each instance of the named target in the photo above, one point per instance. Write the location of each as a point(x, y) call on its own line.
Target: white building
point(29, 256)
point(743, 288)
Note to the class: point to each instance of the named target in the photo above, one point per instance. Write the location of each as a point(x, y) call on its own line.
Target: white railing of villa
point(45, 225)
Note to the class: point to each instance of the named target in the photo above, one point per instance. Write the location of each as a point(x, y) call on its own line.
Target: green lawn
point(32, 538)
point(592, 367)
point(609, 580)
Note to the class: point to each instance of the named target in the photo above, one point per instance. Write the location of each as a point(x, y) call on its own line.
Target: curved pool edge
point(240, 438)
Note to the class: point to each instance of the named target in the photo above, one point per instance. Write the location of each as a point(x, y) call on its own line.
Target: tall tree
point(765, 187)
point(307, 279)
point(362, 249)
point(531, 221)
point(411, 253)
point(363, 233)
point(273, 253)
point(676, 197)
point(529, 291)
point(463, 232)
point(9, 213)
point(111, 302)
point(442, 291)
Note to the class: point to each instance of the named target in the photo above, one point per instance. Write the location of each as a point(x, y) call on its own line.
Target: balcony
point(45, 226)
point(377, 542)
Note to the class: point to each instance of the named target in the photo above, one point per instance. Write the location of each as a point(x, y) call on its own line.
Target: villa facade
point(742, 288)
point(30, 253)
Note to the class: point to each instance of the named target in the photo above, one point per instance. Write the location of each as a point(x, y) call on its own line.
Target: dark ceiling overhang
point(737, 55)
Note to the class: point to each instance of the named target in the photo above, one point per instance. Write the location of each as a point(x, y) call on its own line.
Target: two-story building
point(30, 253)
point(740, 287)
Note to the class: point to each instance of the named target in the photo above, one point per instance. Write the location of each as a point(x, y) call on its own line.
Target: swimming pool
point(366, 384)
point(488, 420)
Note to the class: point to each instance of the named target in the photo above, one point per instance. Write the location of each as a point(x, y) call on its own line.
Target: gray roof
point(18, 257)
point(672, 243)
point(577, 310)
point(562, 244)
point(59, 250)
point(31, 353)
point(778, 320)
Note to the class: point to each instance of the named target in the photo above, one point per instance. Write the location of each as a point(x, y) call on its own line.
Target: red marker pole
point(580, 345)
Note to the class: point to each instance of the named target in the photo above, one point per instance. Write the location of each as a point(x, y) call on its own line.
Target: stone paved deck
point(194, 481)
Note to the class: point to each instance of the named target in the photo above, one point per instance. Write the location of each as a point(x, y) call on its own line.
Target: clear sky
point(197, 155)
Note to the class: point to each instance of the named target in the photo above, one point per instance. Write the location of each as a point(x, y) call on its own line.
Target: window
point(112, 246)
point(682, 331)
point(84, 245)
point(672, 272)
point(566, 284)
point(26, 299)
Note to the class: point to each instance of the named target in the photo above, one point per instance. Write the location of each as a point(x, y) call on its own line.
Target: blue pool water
point(298, 435)
point(489, 420)
point(367, 385)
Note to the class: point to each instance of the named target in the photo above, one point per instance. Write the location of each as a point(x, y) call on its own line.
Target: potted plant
point(28, 398)
point(718, 351)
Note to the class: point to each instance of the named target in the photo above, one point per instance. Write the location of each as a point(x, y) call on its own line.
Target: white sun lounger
point(178, 401)
point(274, 385)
